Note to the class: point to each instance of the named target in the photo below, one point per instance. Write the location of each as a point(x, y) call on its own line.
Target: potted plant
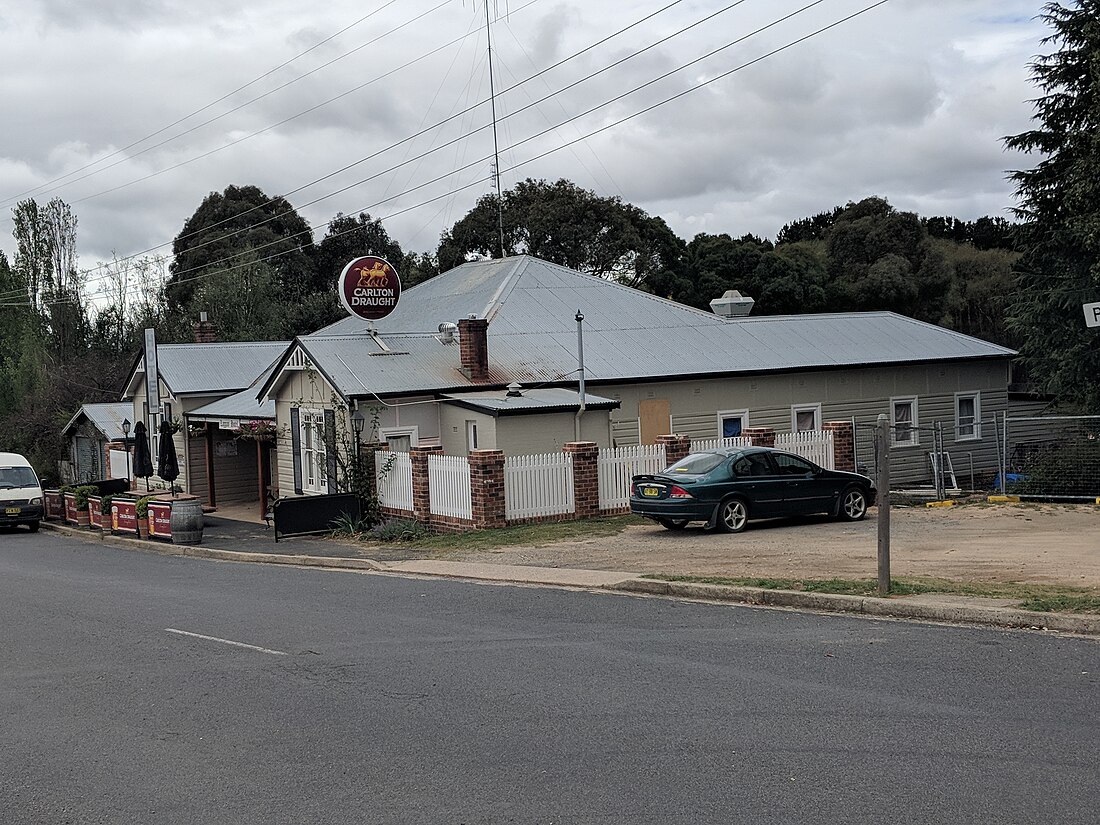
point(143, 516)
point(80, 503)
point(105, 512)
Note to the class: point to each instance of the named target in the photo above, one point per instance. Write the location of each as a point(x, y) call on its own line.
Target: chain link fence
point(1052, 456)
point(920, 459)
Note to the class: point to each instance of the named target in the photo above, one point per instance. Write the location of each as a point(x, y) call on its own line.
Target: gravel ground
point(1049, 544)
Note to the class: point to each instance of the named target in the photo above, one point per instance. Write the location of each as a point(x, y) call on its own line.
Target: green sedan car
point(727, 487)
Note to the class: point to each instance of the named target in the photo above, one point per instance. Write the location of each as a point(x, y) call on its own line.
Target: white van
point(20, 492)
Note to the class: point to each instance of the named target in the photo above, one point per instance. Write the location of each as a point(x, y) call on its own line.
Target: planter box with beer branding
point(95, 511)
point(55, 506)
point(124, 515)
point(73, 514)
point(160, 520)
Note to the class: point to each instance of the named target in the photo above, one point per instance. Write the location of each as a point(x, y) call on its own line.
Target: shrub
point(399, 529)
point(105, 505)
point(143, 506)
point(81, 494)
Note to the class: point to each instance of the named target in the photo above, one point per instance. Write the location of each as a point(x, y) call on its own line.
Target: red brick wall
point(760, 436)
point(422, 503)
point(473, 346)
point(586, 480)
point(844, 445)
point(676, 447)
point(487, 488)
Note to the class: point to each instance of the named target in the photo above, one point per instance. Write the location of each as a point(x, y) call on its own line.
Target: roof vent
point(515, 390)
point(732, 304)
point(447, 332)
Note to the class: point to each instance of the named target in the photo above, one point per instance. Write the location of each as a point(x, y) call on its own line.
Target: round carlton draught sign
point(369, 288)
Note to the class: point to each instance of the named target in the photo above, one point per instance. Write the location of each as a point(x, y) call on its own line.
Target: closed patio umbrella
point(168, 466)
point(143, 459)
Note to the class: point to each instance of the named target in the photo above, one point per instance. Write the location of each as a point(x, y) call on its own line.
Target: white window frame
point(974, 426)
point(913, 423)
point(804, 408)
point(413, 433)
point(313, 450)
point(471, 435)
point(724, 414)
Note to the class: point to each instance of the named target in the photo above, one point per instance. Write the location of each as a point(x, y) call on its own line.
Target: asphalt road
point(382, 699)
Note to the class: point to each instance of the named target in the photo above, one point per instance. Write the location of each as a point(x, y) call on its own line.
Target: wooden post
point(210, 491)
point(883, 484)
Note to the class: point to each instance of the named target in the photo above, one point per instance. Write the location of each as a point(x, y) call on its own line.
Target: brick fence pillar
point(369, 460)
point(422, 502)
point(760, 436)
point(586, 478)
point(676, 447)
point(487, 488)
point(844, 444)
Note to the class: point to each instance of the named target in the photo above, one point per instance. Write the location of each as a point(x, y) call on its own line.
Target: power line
point(605, 127)
point(198, 111)
point(438, 124)
point(247, 103)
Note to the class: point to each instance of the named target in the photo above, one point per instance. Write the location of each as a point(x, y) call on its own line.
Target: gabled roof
point(628, 335)
point(209, 369)
point(107, 418)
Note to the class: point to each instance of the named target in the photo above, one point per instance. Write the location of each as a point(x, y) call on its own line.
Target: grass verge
point(1038, 597)
point(523, 534)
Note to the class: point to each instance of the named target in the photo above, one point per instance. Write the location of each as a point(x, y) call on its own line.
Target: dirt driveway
point(1050, 544)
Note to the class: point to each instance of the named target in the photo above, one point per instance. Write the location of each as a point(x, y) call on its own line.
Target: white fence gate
point(449, 486)
point(615, 467)
point(815, 445)
point(394, 474)
point(538, 485)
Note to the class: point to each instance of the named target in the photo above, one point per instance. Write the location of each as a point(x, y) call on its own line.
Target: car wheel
point(33, 525)
point(673, 523)
point(733, 515)
point(853, 504)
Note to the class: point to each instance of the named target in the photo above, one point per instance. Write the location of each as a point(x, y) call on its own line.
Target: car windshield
point(15, 477)
point(696, 464)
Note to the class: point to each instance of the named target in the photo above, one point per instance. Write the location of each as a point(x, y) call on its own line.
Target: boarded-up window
point(654, 419)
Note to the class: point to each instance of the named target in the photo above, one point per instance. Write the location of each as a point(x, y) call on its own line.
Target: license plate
point(12, 511)
point(651, 492)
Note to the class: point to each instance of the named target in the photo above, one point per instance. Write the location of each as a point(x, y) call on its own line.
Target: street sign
point(1092, 314)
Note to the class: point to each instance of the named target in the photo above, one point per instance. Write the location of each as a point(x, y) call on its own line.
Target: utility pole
point(882, 459)
point(496, 145)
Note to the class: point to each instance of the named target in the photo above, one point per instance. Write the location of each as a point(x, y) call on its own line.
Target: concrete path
point(250, 544)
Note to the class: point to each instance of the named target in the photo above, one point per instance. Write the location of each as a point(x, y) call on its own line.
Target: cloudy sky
point(133, 110)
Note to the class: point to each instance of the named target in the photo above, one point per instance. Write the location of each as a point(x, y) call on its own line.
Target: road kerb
point(1088, 625)
point(870, 606)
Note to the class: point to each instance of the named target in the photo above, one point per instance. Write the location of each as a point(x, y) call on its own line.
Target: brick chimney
point(204, 330)
point(473, 343)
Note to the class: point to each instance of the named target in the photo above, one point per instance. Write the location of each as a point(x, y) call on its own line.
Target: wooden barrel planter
point(73, 514)
point(187, 521)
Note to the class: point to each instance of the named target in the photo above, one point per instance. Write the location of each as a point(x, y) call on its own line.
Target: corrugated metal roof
point(242, 404)
point(628, 334)
point(200, 369)
point(107, 418)
point(498, 402)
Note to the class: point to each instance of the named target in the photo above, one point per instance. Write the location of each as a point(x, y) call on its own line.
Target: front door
point(654, 419)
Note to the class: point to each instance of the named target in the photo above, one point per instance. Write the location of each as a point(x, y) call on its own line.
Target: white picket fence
point(616, 466)
point(815, 445)
point(538, 485)
point(394, 472)
point(700, 444)
point(449, 486)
